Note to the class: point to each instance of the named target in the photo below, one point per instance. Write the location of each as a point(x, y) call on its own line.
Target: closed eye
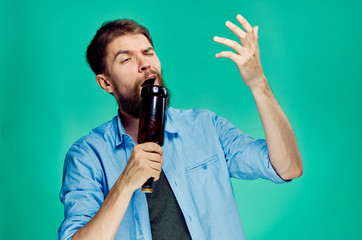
point(149, 53)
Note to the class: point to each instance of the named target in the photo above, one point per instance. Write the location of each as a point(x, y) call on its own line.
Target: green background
point(310, 52)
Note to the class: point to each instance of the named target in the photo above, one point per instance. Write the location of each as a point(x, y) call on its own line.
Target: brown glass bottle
point(152, 120)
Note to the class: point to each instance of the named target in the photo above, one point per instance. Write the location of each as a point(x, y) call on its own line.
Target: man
point(193, 196)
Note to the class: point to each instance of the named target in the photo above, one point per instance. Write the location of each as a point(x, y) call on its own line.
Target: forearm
point(105, 223)
point(282, 144)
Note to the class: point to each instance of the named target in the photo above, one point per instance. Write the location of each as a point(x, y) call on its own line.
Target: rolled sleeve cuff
point(263, 164)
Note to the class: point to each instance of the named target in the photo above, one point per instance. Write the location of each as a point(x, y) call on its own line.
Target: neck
point(130, 125)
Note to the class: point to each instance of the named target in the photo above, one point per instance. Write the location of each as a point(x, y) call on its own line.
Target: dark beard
point(131, 103)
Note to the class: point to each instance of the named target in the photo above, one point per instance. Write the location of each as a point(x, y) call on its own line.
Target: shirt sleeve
point(82, 189)
point(246, 157)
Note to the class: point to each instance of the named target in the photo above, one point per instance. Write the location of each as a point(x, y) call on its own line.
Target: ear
point(104, 83)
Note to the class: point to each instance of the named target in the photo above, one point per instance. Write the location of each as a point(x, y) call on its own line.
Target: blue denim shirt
point(201, 153)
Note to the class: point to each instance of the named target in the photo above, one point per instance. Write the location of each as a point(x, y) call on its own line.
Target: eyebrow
point(127, 51)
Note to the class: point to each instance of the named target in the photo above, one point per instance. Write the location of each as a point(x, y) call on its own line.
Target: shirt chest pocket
point(208, 179)
point(203, 165)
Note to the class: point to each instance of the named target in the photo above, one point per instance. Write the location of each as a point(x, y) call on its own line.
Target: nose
point(144, 64)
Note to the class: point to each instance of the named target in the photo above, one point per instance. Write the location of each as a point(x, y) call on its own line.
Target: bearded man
point(193, 196)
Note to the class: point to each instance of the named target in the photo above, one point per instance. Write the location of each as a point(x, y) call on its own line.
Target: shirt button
point(204, 166)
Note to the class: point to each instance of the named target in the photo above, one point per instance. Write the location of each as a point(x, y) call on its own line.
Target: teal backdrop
point(310, 52)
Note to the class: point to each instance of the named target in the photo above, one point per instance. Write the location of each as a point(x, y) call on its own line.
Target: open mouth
point(149, 81)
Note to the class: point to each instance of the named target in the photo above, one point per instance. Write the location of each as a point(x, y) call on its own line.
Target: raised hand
point(247, 56)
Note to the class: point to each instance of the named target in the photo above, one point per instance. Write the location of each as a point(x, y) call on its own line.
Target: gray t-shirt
point(167, 220)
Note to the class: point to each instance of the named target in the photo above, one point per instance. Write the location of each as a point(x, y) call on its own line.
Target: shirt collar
point(120, 133)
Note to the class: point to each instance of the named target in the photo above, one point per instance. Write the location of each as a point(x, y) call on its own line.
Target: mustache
point(150, 72)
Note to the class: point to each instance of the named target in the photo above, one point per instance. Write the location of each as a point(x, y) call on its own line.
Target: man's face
point(130, 61)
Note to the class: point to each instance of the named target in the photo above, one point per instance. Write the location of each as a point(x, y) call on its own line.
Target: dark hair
point(109, 31)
